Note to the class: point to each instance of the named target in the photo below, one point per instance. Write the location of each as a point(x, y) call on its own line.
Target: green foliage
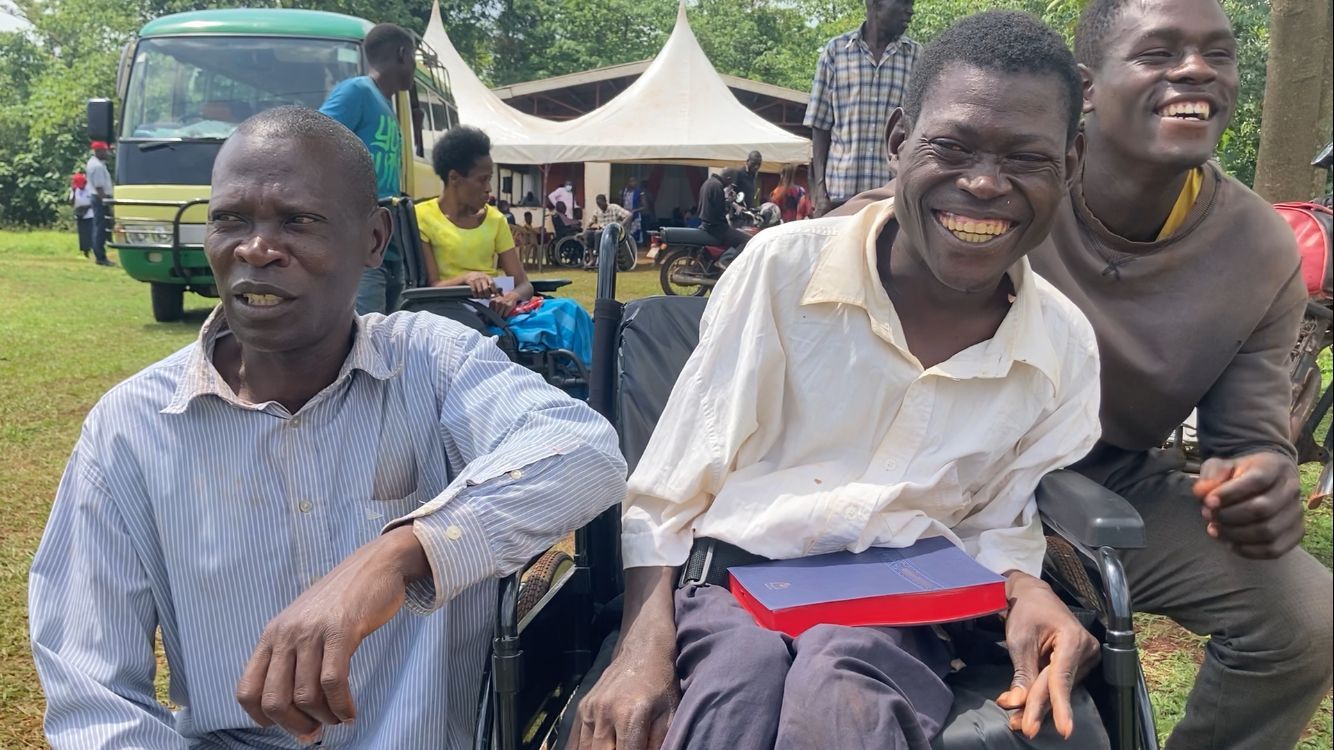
point(71, 54)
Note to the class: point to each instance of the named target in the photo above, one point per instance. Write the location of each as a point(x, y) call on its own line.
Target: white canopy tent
point(679, 110)
point(514, 134)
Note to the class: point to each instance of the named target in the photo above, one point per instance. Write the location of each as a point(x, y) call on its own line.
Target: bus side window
point(419, 120)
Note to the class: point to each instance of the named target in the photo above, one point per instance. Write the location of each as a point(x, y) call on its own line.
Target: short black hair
point(293, 123)
point(458, 150)
point(384, 41)
point(1095, 25)
point(1003, 41)
point(600, 197)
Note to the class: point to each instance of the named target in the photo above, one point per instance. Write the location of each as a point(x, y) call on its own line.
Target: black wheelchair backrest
point(657, 336)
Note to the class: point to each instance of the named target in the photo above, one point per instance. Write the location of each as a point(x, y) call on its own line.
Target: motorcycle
point(1313, 225)
point(689, 264)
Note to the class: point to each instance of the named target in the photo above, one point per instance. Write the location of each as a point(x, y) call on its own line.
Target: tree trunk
point(1296, 113)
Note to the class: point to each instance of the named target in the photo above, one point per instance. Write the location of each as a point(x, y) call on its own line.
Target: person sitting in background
point(561, 223)
point(463, 237)
point(81, 198)
point(692, 219)
point(607, 213)
point(526, 235)
point(504, 207)
point(789, 196)
point(715, 208)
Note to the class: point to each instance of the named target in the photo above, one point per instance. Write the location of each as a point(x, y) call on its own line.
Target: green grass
point(69, 330)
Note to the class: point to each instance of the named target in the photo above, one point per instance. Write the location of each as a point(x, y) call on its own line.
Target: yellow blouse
point(460, 251)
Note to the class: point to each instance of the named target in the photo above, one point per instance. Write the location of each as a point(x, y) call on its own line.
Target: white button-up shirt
point(802, 424)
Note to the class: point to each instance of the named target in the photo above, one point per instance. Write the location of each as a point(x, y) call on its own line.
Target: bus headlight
point(142, 233)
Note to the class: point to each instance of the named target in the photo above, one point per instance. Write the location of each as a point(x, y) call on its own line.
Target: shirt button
point(516, 474)
point(294, 422)
point(306, 506)
point(453, 533)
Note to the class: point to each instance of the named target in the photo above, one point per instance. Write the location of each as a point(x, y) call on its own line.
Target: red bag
point(1311, 223)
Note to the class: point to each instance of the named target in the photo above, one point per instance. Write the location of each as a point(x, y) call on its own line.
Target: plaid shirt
point(852, 97)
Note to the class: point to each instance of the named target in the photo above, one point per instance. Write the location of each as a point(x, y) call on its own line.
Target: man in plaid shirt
point(861, 79)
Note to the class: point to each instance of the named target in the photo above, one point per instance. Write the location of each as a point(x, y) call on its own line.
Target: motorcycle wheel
point(681, 259)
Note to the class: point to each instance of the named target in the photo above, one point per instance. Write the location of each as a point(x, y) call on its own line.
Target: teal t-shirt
point(360, 106)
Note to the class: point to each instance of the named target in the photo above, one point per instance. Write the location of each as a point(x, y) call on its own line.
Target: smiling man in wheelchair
point(871, 381)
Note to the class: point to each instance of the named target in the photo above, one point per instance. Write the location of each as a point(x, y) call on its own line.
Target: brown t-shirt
point(1204, 318)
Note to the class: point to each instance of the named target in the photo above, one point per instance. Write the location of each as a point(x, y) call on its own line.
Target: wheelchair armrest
point(1088, 514)
point(546, 286)
point(437, 292)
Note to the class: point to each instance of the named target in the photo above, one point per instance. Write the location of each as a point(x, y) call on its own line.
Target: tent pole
point(542, 199)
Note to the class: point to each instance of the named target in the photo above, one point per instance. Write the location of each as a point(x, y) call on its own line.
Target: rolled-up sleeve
point(1006, 533)
point(92, 623)
point(537, 465)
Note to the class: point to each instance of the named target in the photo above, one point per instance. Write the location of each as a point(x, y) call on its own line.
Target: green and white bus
point(186, 81)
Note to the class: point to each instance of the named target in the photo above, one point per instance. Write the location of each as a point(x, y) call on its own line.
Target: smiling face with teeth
point(980, 174)
point(1165, 85)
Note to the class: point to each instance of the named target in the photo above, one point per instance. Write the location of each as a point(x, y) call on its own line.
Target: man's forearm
point(649, 618)
point(819, 156)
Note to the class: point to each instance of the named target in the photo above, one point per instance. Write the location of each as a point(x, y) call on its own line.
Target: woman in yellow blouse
point(464, 238)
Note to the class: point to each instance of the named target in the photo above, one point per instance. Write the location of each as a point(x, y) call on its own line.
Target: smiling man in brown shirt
point(1192, 284)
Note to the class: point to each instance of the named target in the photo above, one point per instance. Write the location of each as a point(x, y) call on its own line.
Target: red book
point(930, 582)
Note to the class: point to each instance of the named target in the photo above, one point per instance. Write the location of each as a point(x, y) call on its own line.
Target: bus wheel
point(168, 302)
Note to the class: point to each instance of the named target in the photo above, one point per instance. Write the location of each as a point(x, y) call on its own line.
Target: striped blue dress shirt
point(186, 509)
point(852, 97)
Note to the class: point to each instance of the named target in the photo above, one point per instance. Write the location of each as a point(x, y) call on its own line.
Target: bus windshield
point(202, 87)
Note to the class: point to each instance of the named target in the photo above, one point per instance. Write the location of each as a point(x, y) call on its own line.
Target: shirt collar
point(847, 273)
point(857, 39)
point(201, 377)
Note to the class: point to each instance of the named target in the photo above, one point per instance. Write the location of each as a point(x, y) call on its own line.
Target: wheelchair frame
point(516, 715)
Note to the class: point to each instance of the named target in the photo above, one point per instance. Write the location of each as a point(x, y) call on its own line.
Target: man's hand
point(1252, 503)
point(1051, 653)
point(298, 675)
point(632, 704)
point(822, 204)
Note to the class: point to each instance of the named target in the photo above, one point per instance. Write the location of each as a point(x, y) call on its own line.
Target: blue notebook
point(932, 581)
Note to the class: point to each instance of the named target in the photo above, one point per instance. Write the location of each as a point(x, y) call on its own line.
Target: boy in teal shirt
point(365, 106)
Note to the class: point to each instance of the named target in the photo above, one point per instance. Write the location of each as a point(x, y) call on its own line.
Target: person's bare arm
point(429, 264)
point(819, 157)
point(632, 703)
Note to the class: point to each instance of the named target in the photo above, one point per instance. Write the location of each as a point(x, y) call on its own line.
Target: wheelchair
point(550, 651)
point(560, 367)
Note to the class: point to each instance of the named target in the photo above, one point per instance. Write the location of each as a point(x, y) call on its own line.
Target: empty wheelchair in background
point(547, 657)
point(560, 367)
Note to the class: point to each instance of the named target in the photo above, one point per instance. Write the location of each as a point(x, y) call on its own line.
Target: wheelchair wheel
point(537, 579)
point(627, 254)
point(569, 252)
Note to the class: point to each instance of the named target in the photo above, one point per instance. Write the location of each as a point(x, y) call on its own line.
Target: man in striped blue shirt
point(271, 497)
point(862, 77)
